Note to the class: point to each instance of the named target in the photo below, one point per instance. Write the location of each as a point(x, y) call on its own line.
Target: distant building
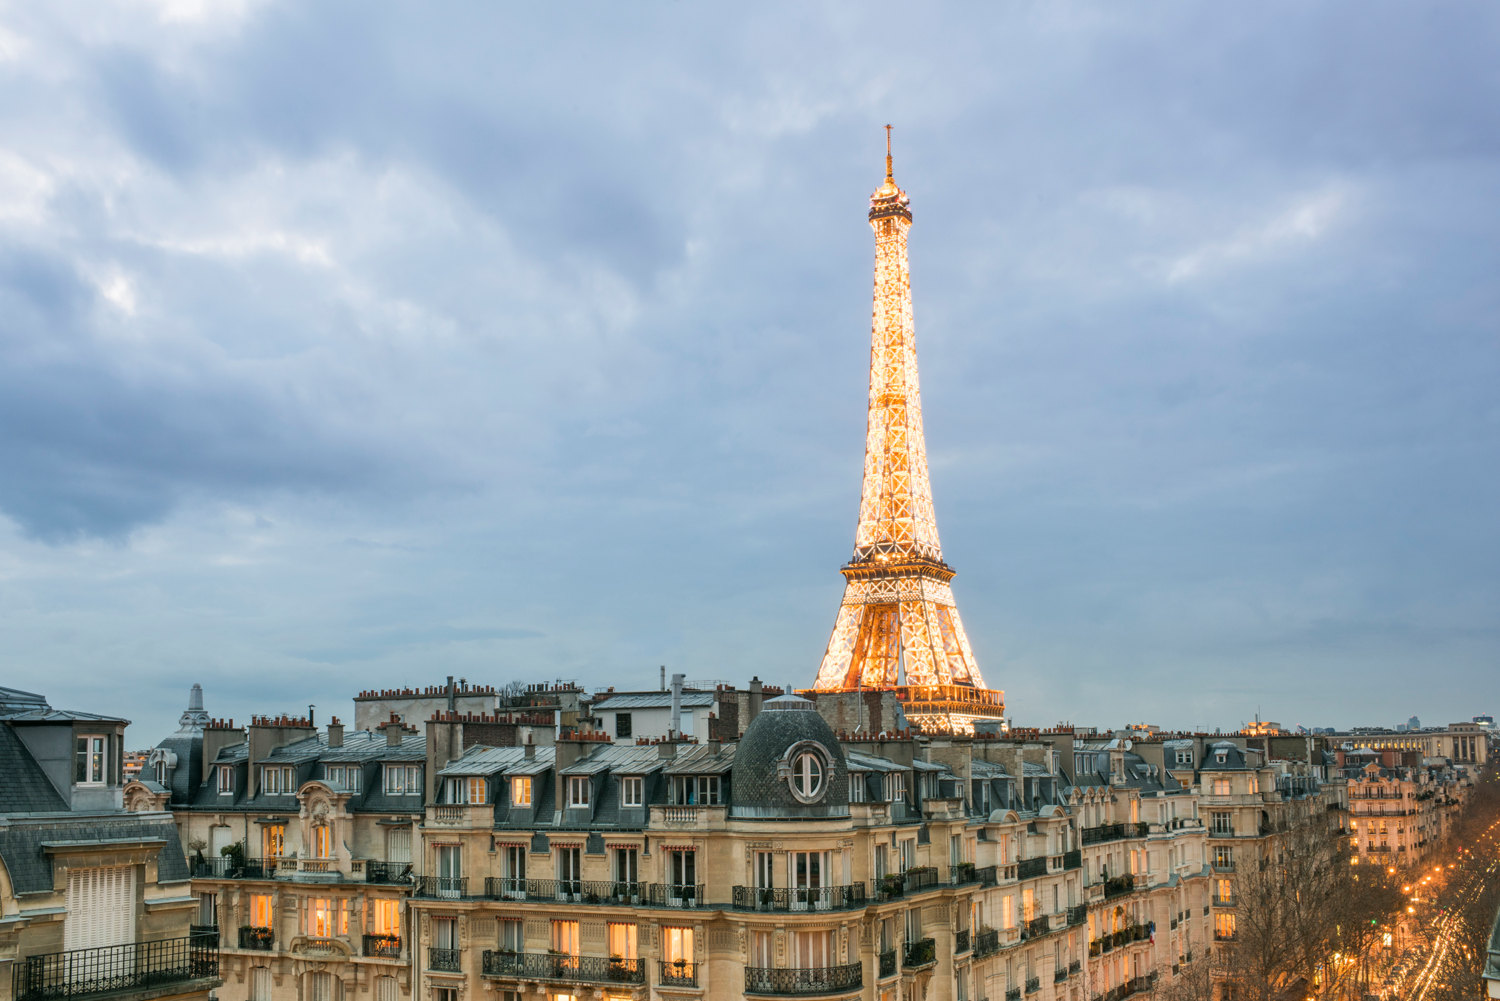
point(1413, 723)
point(1485, 720)
point(1461, 743)
point(96, 902)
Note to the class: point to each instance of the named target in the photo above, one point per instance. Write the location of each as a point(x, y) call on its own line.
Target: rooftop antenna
point(888, 175)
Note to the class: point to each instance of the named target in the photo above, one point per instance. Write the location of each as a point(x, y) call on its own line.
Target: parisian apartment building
point(524, 848)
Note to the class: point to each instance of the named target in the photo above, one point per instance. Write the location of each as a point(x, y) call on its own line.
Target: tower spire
point(898, 627)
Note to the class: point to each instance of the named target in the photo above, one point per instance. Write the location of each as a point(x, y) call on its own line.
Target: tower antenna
point(888, 175)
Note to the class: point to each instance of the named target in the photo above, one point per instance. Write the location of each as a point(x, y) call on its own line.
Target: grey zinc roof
point(859, 762)
point(25, 788)
point(621, 759)
point(701, 759)
point(30, 867)
point(47, 714)
point(980, 769)
point(495, 760)
point(653, 700)
point(14, 700)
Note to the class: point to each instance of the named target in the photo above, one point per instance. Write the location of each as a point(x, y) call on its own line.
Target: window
point(622, 941)
point(622, 725)
point(1223, 891)
point(1223, 823)
point(1224, 926)
point(445, 932)
point(808, 771)
point(343, 776)
point(277, 780)
point(765, 868)
point(445, 994)
point(627, 865)
point(450, 870)
point(322, 841)
point(565, 937)
point(260, 983)
point(895, 787)
point(682, 874)
point(159, 770)
point(678, 944)
point(812, 950)
point(273, 841)
point(325, 918)
point(569, 868)
point(322, 987)
point(261, 912)
point(1184, 757)
point(690, 790)
point(513, 872)
point(90, 758)
point(1221, 787)
point(631, 790)
point(226, 783)
point(208, 910)
point(385, 989)
point(386, 917)
point(856, 787)
point(1223, 857)
point(398, 845)
point(579, 788)
point(511, 935)
point(403, 780)
point(520, 790)
point(472, 790)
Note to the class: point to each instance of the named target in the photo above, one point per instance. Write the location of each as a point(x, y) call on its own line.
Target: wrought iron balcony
point(1116, 886)
point(387, 872)
point(1036, 926)
point(1078, 914)
point(260, 939)
point(1072, 859)
point(963, 872)
point(986, 943)
point(922, 952)
point(111, 968)
point(793, 982)
point(961, 941)
point(799, 898)
point(442, 887)
point(1013, 994)
point(1031, 868)
point(573, 969)
point(1033, 984)
point(987, 876)
point(384, 946)
point(208, 933)
point(678, 973)
point(887, 963)
point(232, 867)
point(922, 877)
point(445, 960)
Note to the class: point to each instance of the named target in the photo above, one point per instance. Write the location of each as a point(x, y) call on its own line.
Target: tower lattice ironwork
point(898, 627)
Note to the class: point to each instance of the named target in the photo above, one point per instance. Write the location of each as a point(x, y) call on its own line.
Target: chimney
point(393, 729)
point(310, 720)
point(452, 701)
point(195, 698)
point(677, 680)
point(755, 700)
point(667, 749)
point(664, 677)
point(335, 733)
point(528, 750)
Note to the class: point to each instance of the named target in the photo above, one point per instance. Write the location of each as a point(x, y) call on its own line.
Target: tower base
point(934, 708)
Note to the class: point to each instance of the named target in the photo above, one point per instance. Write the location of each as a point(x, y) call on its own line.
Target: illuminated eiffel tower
point(898, 628)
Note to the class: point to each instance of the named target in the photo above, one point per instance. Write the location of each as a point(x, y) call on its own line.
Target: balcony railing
point(922, 952)
point(922, 877)
point(443, 887)
point(1031, 867)
point(208, 933)
point(1223, 901)
point(1072, 859)
point(887, 963)
point(1036, 926)
point(444, 960)
point(961, 941)
point(260, 939)
point(573, 969)
point(678, 973)
point(1115, 886)
point(986, 943)
point(1033, 984)
point(963, 872)
point(384, 946)
point(132, 966)
point(798, 898)
point(387, 872)
point(793, 982)
point(229, 867)
point(1078, 914)
point(987, 875)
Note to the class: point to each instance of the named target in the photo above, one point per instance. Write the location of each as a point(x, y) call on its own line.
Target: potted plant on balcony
point(619, 968)
point(890, 884)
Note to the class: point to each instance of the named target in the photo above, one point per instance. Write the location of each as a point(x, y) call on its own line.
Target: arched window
point(809, 774)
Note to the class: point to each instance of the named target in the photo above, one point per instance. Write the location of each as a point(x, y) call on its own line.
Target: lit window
point(630, 791)
point(261, 910)
point(1221, 787)
point(578, 790)
point(226, 780)
point(520, 790)
point(325, 918)
point(273, 841)
point(807, 776)
point(89, 760)
point(388, 917)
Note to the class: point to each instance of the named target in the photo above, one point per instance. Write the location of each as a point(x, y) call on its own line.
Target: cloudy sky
point(347, 345)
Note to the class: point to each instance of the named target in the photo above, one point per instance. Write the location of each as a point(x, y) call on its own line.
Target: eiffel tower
point(898, 628)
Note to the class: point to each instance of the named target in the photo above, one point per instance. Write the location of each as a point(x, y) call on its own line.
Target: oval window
point(808, 774)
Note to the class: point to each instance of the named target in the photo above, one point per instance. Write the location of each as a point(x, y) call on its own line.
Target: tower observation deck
point(898, 628)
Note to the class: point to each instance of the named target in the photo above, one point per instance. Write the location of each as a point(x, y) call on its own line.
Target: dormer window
point(1219, 756)
point(520, 790)
point(343, 776)
point(472, 790)
point(226, 780)
point(1184, 757)
point(159, 770)
point(695, 790)
point(631, 791)
point(403, 780)
point(808, 777)
point(895, 787)
point(277, 780)
point(579, 789)
point(90, 760)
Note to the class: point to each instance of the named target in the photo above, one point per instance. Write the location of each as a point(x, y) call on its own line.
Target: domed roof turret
point(789, 765)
